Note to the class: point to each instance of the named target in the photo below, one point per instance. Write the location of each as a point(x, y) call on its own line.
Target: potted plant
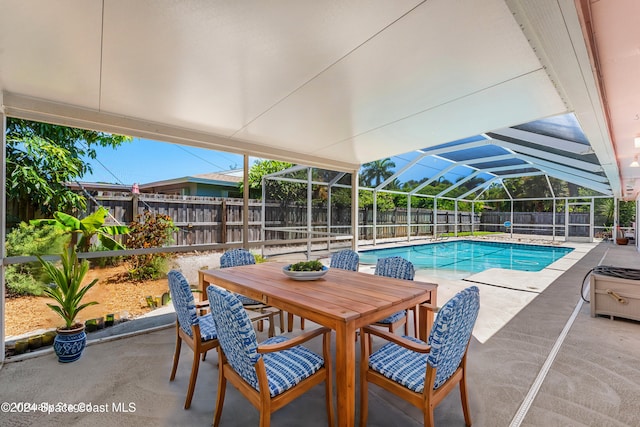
point(620, 238)
point(68, 292)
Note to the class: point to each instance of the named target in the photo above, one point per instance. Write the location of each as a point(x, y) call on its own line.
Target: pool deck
point(587, 370)
point(504, 292)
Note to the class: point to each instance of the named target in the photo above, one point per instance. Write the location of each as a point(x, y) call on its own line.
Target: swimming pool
point(469, 256)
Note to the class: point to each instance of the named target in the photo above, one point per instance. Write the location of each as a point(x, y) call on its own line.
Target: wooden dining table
point(341, 300)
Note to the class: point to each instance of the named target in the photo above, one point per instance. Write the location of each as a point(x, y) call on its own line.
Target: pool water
point(467, 256)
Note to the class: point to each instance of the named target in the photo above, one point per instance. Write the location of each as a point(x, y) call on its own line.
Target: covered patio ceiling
point(333, 83)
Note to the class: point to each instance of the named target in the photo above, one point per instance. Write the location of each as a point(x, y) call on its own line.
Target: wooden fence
point(541, 223)
point(208, 220)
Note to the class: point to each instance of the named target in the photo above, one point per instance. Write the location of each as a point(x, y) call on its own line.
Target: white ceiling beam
point(604, 189)
point(506, 189)
point(434, 178)
point(520, 175)
point(580, 164)
point(292, 169)
point(458, 184)
point(337, 178)
point(507, 168)
point(544, 140)
point(452, 148)
point(545, 165)
point(490, 159)
point(401, 171)
point(473, 190)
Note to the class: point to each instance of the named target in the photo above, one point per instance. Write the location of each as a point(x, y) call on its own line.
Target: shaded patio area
point(593, 380)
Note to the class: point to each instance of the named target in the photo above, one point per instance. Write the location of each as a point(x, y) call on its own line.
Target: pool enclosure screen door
point(579, 222)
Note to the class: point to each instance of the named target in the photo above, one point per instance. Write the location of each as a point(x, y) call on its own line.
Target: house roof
point(333, 84)
point(213, 178)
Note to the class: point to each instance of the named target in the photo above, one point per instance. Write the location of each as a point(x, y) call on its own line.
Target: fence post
point(134, 205)
point(473, 214)
point(455, 220)
point(409, 218)
point(223, 222)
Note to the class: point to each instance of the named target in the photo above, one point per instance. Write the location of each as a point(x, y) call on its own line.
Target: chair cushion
point(451, 332)
point(401, 365)
point(235, 332)
point(207, 328)
point(448, 341)
point(237, 338)
point(393, 318)
point(287, 368)
point(396, 267)
point(247, 301)
point(345, 260)
point(236, 257)
point(183, 301)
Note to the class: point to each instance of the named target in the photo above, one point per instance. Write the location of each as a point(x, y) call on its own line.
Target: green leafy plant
point(24, 240)
point(306, 266)
point(19, 283)
point(149, 230)
point(86, 228)
point(42, 157)
point(68, 291)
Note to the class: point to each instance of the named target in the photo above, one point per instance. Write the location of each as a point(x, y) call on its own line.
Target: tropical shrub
point(26, 240)
point(149, 230)
point(83, 230)
point(19, 283)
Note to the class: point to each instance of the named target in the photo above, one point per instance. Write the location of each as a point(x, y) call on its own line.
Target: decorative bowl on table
point(306, 270)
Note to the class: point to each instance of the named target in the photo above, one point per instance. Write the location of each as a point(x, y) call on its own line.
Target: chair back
point(235, 333)
point(236, 257)
point(345, 260)
point(451, 333)
point(395, 267)
point(183, 301)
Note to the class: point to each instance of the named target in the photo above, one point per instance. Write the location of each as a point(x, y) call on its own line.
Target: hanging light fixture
point(635, 163)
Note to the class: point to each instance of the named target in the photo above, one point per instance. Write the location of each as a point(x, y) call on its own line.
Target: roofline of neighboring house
point(76, 185)
point(190, 180)
point(228, 178)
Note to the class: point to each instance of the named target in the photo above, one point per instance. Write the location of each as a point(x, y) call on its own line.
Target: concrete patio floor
point(593, 380)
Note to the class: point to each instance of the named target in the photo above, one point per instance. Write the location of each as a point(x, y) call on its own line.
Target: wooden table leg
point(346, 374)
point(425, 317)
point(203, 284)
point(426, 322)
point(289, 322)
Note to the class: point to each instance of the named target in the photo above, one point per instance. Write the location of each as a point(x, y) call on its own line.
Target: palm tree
point(375, 172)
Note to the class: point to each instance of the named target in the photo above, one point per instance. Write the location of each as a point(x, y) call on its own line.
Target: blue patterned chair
point(236, 258)
point(270, 374)
point(345, 260)
point(198, 332)
point(397, 268)
point(423, 373)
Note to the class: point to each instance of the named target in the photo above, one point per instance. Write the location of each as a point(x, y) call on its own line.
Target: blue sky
point(143, 160)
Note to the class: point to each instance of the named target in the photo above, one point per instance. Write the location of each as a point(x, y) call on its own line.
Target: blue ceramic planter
point(69, 344)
